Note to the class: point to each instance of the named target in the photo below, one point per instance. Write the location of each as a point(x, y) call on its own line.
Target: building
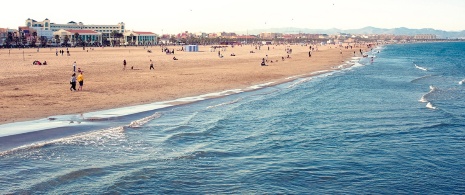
point(424, 36)
point(74, 37)
point(139, 38)
point(269, 35)
point(165, 39)
point(14, 39)
point(105, 30)
point(3, 36)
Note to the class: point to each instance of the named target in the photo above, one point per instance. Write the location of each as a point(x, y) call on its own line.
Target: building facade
point(3, 36)
point(111, 34)
point(269, 35)
point(77, 37)
point(105, 30)
point(139, 38)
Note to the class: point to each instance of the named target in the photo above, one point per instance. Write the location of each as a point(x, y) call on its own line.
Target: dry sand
point(32, 91)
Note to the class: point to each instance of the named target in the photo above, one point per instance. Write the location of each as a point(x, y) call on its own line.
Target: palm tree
point(9, 39)
point(172, 39)
point(23, 39)
point(76, 37)
point(16, 39)
point(66, 40)
point(119, 36)
point(113, 34)
point(132, 39)
point(57, 38)
point(34, 39)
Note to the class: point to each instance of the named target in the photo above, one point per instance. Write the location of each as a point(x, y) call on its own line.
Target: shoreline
point(33, 133)
point(250, 65)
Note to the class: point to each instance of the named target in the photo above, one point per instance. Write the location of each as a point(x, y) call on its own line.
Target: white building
point(89, 37)
point(139, 38)
point(43, 33)
point(105, 30)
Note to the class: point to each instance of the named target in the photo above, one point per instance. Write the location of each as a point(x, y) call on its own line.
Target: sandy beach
point(38, 91)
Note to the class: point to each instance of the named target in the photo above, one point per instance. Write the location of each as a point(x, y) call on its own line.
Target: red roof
point(144, 33)
point(82, 31)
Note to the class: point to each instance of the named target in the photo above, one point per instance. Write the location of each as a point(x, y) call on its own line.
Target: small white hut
point(191, 48)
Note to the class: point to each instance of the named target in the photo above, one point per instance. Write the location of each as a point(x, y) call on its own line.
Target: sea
point(391, 125)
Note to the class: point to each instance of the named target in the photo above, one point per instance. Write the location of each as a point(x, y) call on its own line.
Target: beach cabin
point(191, 48)
point(266, 43)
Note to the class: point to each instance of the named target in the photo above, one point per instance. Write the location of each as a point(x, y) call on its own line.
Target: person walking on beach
point(73, 82)
point(74, 66)
point(124, 64)
point(151, 65)
point(80, 79)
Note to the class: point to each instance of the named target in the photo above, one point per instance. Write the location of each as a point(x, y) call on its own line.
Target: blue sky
point(241, 15)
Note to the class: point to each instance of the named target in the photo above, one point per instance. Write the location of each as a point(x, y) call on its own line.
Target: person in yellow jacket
point(80, 79)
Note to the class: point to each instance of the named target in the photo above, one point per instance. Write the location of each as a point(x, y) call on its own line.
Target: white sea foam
point(299, 82)
point(320, 72)
point(95, 137)
point(430, 106)
point(357, 64)
point(343, 66)
point(421, 68)
point(142, 121)
point(225, 103)
point(424, 97)
point(461, 82)
point(98, 137)
point(260, 85)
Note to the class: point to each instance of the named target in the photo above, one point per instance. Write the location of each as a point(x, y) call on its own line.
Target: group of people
point(37, 62)
point(167, 51)
point(79, 79)
point(264, 61)
point(62, 52)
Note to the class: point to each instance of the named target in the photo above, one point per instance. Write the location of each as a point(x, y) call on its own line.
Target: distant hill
point(366, 30)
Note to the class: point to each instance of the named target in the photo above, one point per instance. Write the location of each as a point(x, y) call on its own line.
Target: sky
point(175, 16)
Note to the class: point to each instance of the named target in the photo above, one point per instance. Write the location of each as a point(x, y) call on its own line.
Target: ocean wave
point(140, 122)
point(421, 78)
point(98, 137)
point(430, 106)
point(424, 98)
point(225, 103)
point(56, 181)
point(421, 68)
point(461, 82)
point(299, 82)
point(343, 66)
